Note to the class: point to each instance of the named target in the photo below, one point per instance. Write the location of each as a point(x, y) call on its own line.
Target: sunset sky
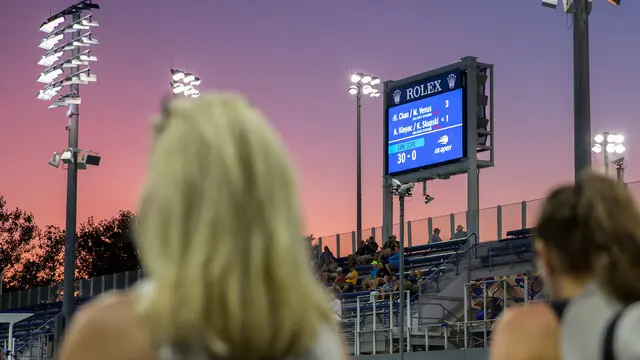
point(292, 58)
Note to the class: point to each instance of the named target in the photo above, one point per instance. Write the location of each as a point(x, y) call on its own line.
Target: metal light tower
point(184, 83)
point(68, 45)
point(580, 10)
point(608, 143)
point(361, 84)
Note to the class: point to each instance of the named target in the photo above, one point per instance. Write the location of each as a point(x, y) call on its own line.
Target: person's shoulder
point(521, 330)
point(98, 326)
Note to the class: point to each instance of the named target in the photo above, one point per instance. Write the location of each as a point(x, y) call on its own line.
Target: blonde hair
point(220, 236)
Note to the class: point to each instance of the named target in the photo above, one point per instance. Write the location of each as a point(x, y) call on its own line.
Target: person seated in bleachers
point(351, 280)
point(435, 237)
point(329, 271)
point(365, 254)
point(393, 263)
point(326, 256)
point(373, 282)
point(390, 285)
point(413, 281)
point(460, 233)
point(339, 281)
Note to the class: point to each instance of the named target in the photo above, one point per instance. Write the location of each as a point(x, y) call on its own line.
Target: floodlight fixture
point(90, 158)
point(184, 83)
point(608, 144)
point(55, 160)
point(188, 78)
point(363, 84)
point(51, 25)
point(177, 75)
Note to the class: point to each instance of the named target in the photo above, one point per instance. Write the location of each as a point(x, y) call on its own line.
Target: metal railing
point(466, 248)
point(494, 223)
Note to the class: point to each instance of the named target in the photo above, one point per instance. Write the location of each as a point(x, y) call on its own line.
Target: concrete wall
point(469, 354)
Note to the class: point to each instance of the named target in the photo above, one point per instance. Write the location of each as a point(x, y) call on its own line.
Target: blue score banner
point(425, 127)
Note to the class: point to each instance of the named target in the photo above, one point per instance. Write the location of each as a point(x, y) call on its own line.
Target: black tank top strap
point(558, 307)
point(609, 336)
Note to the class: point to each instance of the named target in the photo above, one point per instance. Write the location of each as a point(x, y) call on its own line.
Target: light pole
point(580, 10)
point(74, 24)
point(402, 191)
point(608, 143)
point(184, 83)
point(361, 84)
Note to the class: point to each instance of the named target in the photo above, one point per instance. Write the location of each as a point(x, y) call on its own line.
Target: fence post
point(354, 246)
point(409, 234)
point(524, 214)
point(429, 229)
point(452, 224)
point(338, 245)
point(499, 222)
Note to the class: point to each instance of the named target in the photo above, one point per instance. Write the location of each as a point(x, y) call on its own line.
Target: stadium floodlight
point(608, 144)
point(184, 83)
point(51, 25)
point(67, 42)
point(361, 84)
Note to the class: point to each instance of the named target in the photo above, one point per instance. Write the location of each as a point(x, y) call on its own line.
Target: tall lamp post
point(580, 10)
point(73, 24)
point(608, 143)
point(184, 83)
point(361, 84)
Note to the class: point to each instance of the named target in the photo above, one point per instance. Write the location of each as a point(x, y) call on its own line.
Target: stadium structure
point(466, 285)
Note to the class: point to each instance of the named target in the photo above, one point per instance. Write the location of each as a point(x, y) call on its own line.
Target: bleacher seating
point(434, 261)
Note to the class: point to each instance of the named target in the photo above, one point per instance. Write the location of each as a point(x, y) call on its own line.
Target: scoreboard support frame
point(470, 164)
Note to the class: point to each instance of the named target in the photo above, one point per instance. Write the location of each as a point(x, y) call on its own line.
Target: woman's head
point(220, 233)
point(591, 231)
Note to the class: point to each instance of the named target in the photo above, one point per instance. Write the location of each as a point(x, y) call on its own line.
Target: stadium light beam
point(608, 144)
point(184, 83)
point(70, 21)
point(361, 84)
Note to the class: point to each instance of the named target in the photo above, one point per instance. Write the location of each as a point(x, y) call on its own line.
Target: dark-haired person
point(588, 249)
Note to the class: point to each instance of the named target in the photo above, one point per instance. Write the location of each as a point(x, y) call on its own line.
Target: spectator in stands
point(220, 238)
point(389, 248)
point(588, 248)
point(413, 282)
point(390, 285)
point(326, 256)
point(393, 263)
point(460, 233)
point(339, 281)
point(374, 277)
point(435, 237)
point(329, 270)
point(365, 254)
point(351, 280)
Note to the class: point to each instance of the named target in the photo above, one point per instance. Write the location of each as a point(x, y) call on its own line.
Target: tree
point(17, 232)
point(106, 247)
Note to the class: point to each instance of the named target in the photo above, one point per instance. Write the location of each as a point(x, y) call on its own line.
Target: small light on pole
point(361, 84)
point(608, 144)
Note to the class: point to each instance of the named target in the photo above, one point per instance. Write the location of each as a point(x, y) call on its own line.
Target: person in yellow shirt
point(350, 280)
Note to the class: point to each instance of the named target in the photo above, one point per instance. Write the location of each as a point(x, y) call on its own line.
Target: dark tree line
point(31, 256)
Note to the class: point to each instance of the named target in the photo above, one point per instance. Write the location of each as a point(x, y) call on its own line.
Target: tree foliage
point(31, 256)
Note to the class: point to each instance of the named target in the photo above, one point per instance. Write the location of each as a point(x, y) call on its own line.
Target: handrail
point(462, 249)
point(46, 323)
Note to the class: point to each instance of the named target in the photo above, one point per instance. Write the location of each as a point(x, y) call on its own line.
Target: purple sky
point(293, 59)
